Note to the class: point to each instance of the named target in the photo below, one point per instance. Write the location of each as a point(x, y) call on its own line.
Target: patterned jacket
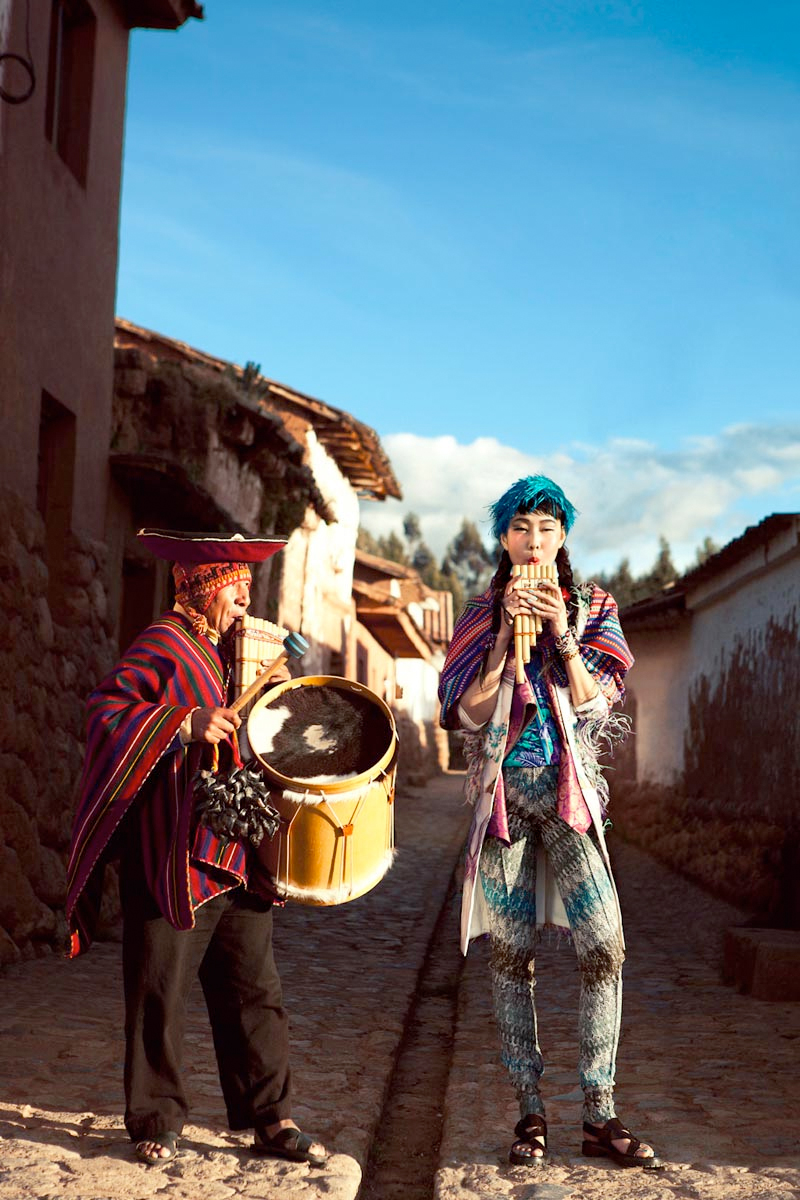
point(582, 790)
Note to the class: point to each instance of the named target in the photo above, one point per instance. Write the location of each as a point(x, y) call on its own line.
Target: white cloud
point(628, 492)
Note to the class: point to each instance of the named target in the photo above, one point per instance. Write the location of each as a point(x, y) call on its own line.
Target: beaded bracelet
point(567, 645)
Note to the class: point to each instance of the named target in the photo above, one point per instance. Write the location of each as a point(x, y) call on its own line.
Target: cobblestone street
point(706, 1074)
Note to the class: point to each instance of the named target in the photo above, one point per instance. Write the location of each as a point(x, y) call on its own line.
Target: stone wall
point(55, 645)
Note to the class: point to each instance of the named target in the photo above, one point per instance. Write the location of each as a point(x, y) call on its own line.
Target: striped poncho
point(135, 763)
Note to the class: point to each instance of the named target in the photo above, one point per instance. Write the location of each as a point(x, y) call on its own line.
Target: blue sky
point(556, 236)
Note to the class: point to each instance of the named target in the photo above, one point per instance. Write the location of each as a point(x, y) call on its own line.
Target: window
point(70, 75)
point(138, 600)
point(55, 480)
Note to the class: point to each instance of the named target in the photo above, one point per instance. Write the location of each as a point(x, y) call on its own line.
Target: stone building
point(710, 781)
point(99, 439)
point(60, 163)
point(199, 442)
point(403, 630)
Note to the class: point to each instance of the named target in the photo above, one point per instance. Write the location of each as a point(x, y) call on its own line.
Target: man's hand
point(213, 724)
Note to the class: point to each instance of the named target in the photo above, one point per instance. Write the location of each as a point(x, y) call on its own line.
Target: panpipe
point(253, 641)
point(528, 625)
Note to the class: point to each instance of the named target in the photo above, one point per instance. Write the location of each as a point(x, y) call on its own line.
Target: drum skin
point(336, 839)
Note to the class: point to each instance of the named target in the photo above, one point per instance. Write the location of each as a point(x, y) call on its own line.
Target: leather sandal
point(289, 1143)
point(529, 1130)
point(604, 1147)
point(167, 1139)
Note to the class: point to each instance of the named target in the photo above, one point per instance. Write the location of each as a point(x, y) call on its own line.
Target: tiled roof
point(354, 446)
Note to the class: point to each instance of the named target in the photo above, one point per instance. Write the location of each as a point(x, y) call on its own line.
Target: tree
point(664, 570)
point(627, 588)
point(468, 560)
point(392, 547)
point(620, 583)
point(704, 551)
point(366, 542)
point(412, 528)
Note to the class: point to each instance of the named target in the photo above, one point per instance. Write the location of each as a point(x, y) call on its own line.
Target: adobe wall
point(658, 686)
point(317, 568)
point(51, 655)
point(57, 290)
point(729, 816)
point(424, 744)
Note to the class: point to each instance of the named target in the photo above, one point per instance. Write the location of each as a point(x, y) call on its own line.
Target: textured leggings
point(509, 883)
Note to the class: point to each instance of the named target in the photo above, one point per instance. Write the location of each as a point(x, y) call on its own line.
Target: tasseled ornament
point(236, 805)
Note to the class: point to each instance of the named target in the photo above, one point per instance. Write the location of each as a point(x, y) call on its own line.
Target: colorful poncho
point(604, 650)
point(581, 787)
point(134, 757)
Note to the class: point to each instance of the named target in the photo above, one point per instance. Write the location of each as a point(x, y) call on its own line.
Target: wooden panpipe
point(528, 625)
point(253, 641)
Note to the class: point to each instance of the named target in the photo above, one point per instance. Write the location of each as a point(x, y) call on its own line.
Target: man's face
point(230, 602)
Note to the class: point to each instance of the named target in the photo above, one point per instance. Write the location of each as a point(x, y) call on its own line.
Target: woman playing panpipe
point(537, 708)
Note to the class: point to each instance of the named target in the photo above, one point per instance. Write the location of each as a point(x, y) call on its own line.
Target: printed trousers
point(230, 949)
point(508, 875)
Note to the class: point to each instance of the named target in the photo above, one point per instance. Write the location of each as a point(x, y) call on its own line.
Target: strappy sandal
point(528, 1130)
point(289, 1143)
point(167, 1140)
point(604, 1147)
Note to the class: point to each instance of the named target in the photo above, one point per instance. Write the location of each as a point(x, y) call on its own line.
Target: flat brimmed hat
point(202, 548)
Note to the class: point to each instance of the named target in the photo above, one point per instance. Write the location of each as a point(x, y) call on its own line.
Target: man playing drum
point(193, 902)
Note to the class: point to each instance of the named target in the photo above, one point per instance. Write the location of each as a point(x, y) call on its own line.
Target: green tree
point(468, 560)
point(412, 528)
point(393, 548)
point(620, 583)
point(366, 542)
point(664, 570)
point(704, 551)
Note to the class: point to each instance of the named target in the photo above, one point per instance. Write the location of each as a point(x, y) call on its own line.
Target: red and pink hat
point(204, 563)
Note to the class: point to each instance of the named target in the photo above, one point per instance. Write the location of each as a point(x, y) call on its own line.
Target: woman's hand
point(541, 597)
point(280, 676)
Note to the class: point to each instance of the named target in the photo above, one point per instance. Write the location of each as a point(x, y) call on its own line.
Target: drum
point(329, 746)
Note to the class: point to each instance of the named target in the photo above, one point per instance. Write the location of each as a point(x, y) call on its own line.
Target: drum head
point(321, 730)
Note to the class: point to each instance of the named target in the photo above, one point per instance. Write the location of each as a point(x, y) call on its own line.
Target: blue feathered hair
point(532, 493)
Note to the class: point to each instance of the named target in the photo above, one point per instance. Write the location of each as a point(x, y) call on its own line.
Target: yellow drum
point(329, 745)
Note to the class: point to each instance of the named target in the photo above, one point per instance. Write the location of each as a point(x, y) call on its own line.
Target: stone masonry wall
point(55, 645)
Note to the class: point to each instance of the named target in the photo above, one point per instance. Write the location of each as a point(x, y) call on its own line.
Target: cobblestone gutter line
point(405, 1152)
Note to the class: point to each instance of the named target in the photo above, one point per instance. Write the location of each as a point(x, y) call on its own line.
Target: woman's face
point(533, 537)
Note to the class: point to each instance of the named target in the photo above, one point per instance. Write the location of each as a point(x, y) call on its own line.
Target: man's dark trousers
point(230, 949)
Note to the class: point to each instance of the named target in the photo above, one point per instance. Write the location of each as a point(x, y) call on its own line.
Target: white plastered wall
point(317, 579)
point(724, 611)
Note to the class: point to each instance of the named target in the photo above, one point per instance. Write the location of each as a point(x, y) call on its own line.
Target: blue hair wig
point(532, 493)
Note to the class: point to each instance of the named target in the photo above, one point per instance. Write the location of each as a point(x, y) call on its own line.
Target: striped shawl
point(603, 649)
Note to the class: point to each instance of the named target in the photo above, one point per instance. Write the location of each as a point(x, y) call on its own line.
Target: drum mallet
point(294, 646)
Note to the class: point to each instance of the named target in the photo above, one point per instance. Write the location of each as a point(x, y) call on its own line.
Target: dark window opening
point(362, 666)
point(147, 591)
point(55, 480)
point(138, 600)
point(70, 76)
point(336, 663)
